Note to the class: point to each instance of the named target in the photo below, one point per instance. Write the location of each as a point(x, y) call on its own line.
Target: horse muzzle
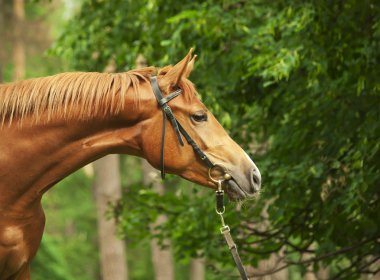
point(237, 184)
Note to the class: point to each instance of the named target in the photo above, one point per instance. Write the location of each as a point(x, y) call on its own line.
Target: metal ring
point(217, 165)
point(220, 212)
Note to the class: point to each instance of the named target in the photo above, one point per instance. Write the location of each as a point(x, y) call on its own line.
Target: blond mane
point(75, 95)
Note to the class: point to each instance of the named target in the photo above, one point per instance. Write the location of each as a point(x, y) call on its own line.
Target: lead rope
point(225, 229)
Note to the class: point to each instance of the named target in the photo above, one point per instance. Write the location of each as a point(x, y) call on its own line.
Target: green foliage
point(43, 20)
point(298, 82)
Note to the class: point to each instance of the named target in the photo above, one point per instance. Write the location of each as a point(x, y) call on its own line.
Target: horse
point(52, 126)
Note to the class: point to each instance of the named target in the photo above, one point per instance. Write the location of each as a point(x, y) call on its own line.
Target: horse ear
point(176, 73)
point(190, 67)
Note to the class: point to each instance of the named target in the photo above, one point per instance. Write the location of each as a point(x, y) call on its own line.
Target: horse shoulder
point(19, 241)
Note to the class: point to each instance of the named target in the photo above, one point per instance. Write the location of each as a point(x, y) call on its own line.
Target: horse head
point(201, 125)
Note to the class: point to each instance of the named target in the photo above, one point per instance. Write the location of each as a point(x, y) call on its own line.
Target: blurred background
point(296, 84)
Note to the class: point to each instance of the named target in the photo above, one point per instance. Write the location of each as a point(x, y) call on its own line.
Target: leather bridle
point(178, 128)
point(180, 131)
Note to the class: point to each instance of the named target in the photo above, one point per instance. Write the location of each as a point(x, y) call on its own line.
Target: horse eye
point(199, 117)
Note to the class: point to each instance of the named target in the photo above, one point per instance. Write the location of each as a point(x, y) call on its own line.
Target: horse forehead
point(193, 104)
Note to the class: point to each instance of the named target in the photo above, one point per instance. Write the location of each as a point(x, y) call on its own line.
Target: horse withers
point(52, 126)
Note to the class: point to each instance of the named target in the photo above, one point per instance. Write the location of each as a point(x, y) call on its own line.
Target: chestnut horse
point(52, 126)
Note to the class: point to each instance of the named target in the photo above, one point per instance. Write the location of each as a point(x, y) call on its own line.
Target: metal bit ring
point(226, 176)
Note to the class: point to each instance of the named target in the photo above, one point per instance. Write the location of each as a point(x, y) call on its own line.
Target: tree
point(18, 40)
point(197, 269)
point(297, 85)
point(107, 190)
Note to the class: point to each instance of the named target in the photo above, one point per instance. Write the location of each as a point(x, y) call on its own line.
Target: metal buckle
point(167, 109)
point(224, 229)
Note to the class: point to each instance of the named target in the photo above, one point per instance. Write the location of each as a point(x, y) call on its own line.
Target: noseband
point(180, 131)
point(178, 128)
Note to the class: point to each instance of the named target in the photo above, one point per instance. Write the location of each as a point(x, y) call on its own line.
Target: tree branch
point(316, 259)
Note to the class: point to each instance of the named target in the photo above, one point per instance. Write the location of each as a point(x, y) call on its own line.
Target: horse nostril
point(256, 180)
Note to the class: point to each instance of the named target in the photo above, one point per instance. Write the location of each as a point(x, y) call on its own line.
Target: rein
point(219, 194)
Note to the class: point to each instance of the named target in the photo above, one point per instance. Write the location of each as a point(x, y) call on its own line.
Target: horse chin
point(234, 191)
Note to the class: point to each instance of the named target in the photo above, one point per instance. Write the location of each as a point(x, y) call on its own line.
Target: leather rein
point(180, 131)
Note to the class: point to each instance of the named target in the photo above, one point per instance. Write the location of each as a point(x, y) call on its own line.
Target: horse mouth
point(235, 192)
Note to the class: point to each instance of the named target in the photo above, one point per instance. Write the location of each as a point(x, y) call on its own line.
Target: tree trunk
point(107, 189)
point(274, 261)
point(162, 258)
point(377, 275)
point(18, 41)
point(321, 274)
point(197, 269)
point(268, 265)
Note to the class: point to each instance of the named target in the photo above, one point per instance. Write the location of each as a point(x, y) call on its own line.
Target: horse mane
point(73, 95)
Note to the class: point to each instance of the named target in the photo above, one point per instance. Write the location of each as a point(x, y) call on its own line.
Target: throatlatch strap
point(174, 122)
point(163, 145)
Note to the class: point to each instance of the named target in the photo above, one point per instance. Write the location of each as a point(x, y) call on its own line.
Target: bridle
point(180, 131)
point(178, 128)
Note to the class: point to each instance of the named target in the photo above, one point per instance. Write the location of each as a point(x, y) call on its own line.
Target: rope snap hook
point(219, 194)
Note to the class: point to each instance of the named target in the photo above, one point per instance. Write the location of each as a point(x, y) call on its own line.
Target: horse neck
point(33, 157)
